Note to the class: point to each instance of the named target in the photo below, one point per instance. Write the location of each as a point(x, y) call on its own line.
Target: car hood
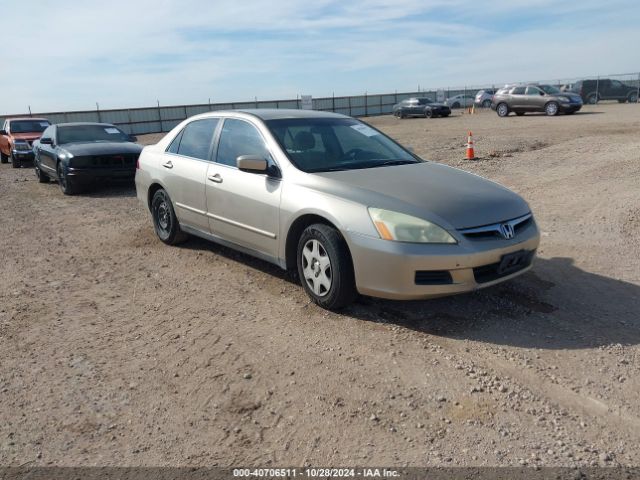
point(436, 192)
point(101, 148)
point(571, 96)
point(29, 136)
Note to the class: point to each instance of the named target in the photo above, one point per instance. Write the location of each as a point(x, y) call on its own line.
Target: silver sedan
point(336, 201)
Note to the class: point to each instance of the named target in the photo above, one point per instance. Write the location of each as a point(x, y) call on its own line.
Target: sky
point(69, 54)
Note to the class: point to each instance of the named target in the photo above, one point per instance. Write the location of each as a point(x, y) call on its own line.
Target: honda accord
point(336, 201)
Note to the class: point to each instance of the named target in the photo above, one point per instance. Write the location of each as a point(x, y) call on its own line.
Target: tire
point(67, 185)
point(42, 177)
point(455, 105)
point(592, 99)
point(552, 109)
point(165, 222)
point(428, 113)
point(632, 98)
point(486, 104)
point(519, 114)
point(15, 163)
point(502, 109)
point(4, 158)
point(325, 267)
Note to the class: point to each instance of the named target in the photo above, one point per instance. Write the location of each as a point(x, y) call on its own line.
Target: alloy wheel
point(316, 267)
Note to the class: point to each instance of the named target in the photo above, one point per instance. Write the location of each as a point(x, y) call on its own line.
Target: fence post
point(130, 122)
point(349, 98)
point(638, 90)
point(160, 117)
point(185, 112)
point(366, 107)
point(597, 89)
point(98, 110)
point(333, 102)
point(30, 114)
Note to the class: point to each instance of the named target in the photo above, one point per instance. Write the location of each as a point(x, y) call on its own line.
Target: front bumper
point(90, 174)
point(388, 269)
point(23, 155)
point(570, 107)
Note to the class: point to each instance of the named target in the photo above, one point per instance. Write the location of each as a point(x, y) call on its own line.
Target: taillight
point(138, 163)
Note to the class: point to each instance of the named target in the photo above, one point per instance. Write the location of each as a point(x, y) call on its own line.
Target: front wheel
point(15, 163)
point(633, 98)
point(325, 267)
point(42, 177)
point(67, 185)
point(551, 109)
point(428, 113)
point(502, 110)
point(4, 158)
point(165, 221)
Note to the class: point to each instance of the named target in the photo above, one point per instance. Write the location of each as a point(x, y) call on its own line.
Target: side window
point(517, 91)
point(533, 91)
point(239, 138)
point(195, 140)
point(175, 144)
point(48, 133)
point(616, 84)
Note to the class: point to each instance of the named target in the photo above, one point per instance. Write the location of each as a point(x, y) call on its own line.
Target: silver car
point(338, 202)
point(460, 101)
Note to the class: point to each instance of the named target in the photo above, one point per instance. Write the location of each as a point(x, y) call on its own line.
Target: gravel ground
point(118, 350)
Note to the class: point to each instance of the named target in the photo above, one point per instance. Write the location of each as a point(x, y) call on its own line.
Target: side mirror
point(3, 132)
point(46, 141)
point(133, 138)
point(251, 163)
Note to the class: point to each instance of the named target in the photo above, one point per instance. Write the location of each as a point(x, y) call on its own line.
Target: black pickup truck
point(592, 91)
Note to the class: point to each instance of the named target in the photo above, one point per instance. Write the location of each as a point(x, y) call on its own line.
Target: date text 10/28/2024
point(316, 472)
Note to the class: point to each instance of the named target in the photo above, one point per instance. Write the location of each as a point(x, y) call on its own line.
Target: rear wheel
point(455, 105)
point(502, 110)
point(633, 98)
point(592, 98)
point(165, 221)
point(551, 109)
point(325, 267)
point(486, 103)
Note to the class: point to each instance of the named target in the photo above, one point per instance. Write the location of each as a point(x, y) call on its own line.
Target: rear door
point(518, 99)
point(183, 171)
point(243, 207)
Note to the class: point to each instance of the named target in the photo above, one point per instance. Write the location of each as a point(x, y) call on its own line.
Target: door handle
point(215, 178)
point(168, 164)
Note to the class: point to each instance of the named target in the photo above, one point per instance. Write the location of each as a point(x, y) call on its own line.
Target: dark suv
point(592, 91)
point(535, 98)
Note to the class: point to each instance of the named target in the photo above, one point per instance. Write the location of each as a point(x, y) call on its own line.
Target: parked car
point(460, 101)
point(16, 139)
point(535, 98)
point(77, 154)
point(337, 201)
point(592, 91)
point(420, 107)
point(483, 97)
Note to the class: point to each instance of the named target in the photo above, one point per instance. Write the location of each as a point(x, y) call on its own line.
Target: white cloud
point(70, 54)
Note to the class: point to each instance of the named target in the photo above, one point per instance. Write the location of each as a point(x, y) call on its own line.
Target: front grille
point(433, 277)
point(113, 160)
point(491, 272)
point(494, 231)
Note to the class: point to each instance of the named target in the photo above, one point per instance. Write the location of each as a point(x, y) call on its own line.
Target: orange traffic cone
point(471, 155)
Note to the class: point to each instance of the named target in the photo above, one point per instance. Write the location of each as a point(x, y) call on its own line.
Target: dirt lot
point(118, 350)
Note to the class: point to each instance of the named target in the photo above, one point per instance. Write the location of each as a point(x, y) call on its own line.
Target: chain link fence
point(138, 121)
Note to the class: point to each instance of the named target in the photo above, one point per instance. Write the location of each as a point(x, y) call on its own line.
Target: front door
point(243, 207)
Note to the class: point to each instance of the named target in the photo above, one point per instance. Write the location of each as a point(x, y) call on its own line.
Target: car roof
point(282, 113)
point(35, 119)
point(81, 124)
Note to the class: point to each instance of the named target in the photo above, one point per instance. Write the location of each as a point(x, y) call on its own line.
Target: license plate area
point(512, 262)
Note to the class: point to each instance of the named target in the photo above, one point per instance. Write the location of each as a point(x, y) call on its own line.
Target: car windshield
point(331, 144)
point(29, 126)
point(90, 133)
point(551, 90)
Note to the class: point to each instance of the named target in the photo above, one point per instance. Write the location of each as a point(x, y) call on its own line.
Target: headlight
point(564, 99)
point(63, 154)
point(405, 228)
